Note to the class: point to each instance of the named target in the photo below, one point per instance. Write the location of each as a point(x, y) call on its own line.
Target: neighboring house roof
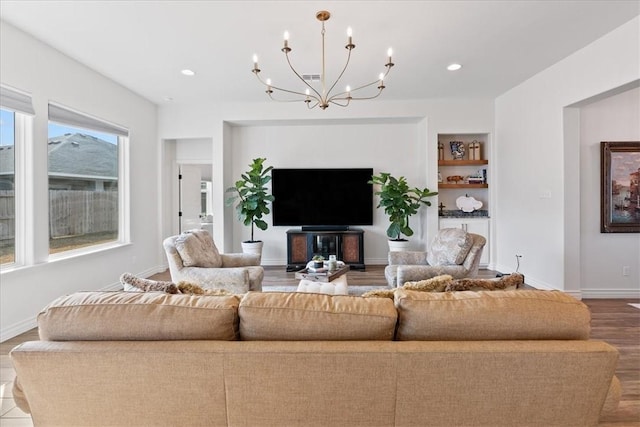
point(71, 155)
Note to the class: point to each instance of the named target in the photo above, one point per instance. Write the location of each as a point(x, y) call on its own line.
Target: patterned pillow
point(131, 283)
point(450, 247)
point(196, 248)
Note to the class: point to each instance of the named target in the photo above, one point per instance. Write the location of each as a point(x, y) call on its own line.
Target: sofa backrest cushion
point(449, 247)
point(196, 248)
point(111, 316)
point(490, 315)
point(284, 316)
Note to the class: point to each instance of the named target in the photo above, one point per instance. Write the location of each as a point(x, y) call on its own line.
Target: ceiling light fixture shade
point(323, 96)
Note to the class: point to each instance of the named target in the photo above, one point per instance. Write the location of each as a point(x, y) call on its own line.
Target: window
point(7, 187)
point(15, 132)
point(84, 190)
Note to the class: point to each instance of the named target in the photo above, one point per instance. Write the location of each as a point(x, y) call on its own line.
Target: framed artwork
point(620, 187)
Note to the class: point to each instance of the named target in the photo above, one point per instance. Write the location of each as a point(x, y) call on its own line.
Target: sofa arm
point(240, 260)
point(407, 258)
point(19, 397)
point(613, 398)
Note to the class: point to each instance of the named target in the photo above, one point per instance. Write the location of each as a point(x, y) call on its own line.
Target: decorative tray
point(324, 276)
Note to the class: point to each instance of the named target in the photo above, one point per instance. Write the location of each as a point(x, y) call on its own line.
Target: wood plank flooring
point(613, 321)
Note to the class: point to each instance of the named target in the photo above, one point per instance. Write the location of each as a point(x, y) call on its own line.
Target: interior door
point(190, 197)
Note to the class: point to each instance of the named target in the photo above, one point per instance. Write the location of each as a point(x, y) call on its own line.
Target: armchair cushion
point(450, 246)
point(196, 248)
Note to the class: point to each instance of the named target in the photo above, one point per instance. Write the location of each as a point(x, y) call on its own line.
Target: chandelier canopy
point(323, 96)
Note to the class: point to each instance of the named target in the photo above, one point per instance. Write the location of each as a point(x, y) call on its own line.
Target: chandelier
point(323, 97)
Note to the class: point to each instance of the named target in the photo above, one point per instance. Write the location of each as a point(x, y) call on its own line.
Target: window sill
point(64, 256)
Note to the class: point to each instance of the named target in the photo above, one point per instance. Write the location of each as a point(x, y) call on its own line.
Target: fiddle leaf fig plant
point(400, 202)
point(251, 195)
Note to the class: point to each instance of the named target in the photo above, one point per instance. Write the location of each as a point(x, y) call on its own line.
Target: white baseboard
point(17, 328)
point(611, 294)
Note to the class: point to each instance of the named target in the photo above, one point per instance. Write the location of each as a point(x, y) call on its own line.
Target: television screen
point(322, 197)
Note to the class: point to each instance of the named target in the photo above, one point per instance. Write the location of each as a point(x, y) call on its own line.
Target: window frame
point(69, 117)
point(21, 104)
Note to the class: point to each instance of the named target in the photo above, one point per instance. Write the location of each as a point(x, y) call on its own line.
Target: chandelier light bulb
point(286, 40)
point(307, 92)
point(255, 58)
point(381, 77)
point(268, 82)
point(348, 88)
point(349, 32)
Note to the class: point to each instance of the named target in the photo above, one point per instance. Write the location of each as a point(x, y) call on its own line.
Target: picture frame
point(620, 187)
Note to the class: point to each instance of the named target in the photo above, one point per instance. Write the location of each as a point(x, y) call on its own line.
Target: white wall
point(390, 147)
point(397, 137)
point(34, 67)
point(602, 255)
point(537, 207)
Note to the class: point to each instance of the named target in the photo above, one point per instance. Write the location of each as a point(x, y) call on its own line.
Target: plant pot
point(398, 245)
point(252, 248)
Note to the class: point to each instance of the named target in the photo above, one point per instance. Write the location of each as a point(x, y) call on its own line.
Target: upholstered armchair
point(194, 258)
point(453, 251)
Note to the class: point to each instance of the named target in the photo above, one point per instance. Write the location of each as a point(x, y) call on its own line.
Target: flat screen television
point(322, 198)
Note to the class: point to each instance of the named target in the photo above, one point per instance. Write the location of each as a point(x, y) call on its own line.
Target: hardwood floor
point(612, 320)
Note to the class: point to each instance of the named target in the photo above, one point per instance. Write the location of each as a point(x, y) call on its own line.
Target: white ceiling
point(144, 44)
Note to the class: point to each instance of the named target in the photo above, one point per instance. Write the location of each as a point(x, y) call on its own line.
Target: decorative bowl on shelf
point(468, 204)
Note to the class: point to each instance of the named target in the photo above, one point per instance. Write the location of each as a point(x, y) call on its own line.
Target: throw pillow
point(196, 248)
point(512, 281)
point(132, 283)
point(435, 284)
point(381, 293)
point(450, 247)
point(190, 288)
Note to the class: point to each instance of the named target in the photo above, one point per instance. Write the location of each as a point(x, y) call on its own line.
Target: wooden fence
point(7, 215)
point(71, 213)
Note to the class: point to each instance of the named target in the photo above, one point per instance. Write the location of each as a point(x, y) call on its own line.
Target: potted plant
point(252, 199)
point(399, 202)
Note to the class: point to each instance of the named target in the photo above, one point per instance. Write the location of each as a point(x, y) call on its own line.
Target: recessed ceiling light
point(188, 72)
point(454, 67)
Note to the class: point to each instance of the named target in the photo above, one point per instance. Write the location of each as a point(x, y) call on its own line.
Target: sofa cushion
point(487, 315)
point(196, 248)
point(283, 316)
point(110, 316)
point(450, 246)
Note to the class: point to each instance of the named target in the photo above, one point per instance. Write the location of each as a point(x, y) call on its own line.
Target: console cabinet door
point(298, 249)
point(351, 248)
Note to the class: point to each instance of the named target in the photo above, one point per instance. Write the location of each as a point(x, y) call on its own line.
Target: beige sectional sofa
point(503, 358)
